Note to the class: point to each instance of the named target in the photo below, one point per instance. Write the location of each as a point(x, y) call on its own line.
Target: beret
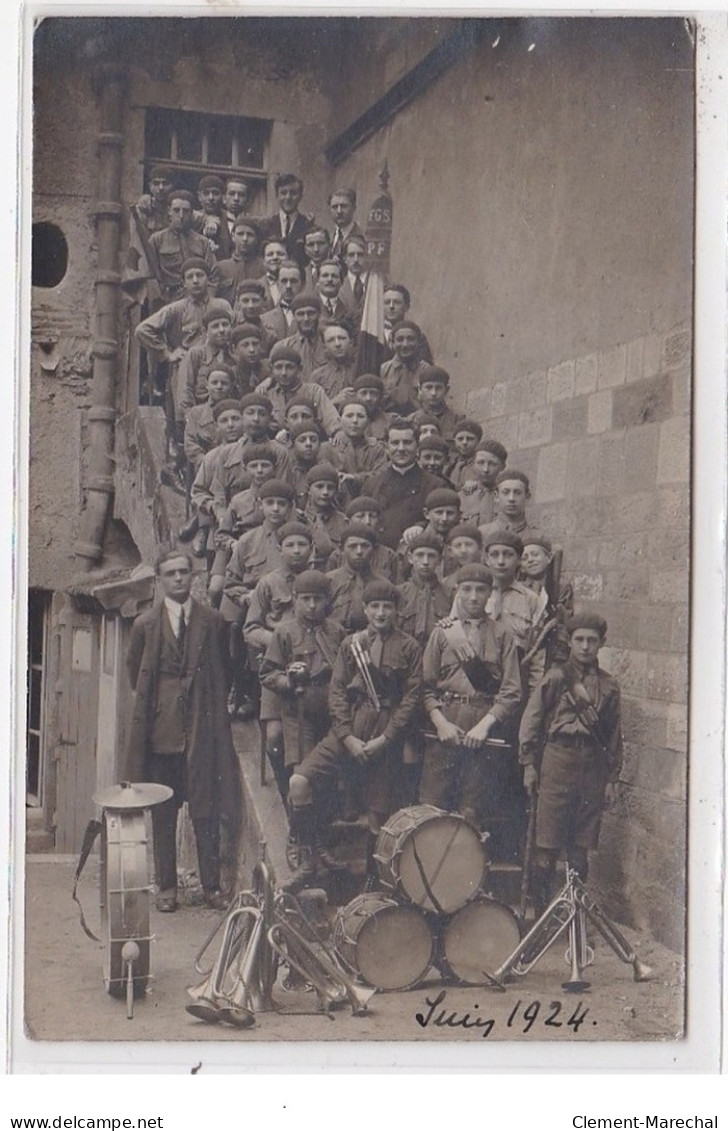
point(211, 182)
point(470, 426)
point(323, 472)
point(422, 417)
point(465, 530)
point(358, 530)
point(218, 308)
point(282, 352)
point(246, 222)
point(300, 529)
point(473, 571)
point(194, 263)
point(536, 539)
point(245, 330)
point(303, 427)
point(258, 451)
point(369, 381)
point(425, 541)
point(587, 620)
point(182, 194)
point(495, 448)
point(251, 399)
point(221, 367)
point(509, 473)
point(224, 406)
point(251, 285)
point(301, 400)
point(306, 299)
point(160, 173)
point(361, 504)
point(276, 489)
point(503, 538)
point(345, 401)
point(380, 591)
point(311, 580)
point(406, 324)
point(432, 444)
point(433, 373)
point(442, 497)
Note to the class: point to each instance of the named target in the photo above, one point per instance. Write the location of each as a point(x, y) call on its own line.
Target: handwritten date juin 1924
point(521, 1018)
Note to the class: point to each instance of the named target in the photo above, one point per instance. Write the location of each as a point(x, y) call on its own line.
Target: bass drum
point(433, 859)
point(124, 898)
point(389, 946)
point(477, 939)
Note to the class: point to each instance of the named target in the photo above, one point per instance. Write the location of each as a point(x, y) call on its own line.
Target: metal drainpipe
point(110, 84)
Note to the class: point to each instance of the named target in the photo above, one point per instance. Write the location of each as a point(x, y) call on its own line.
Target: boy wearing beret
point(432, 452)
point(249, 307)
point(574, 717)
point(230, 475)
point(244, 262)
point(512, 603)
point(246, 350)
point(464, 544)
point(286, 382)
point(212, 221)
point(555, 597)
point(433, 385)
point(355, 454)
point(305, 339)
point(401, 374)
point(322, 513)
point(397, 301)
point(477, 488)
point(337, 374)
point(349, 580)
point(257, 551)
point(472, 689)
point(370, 390)
point(200, 359)
point(441, 511)
point(376, 686)
point(295, 673)
point(466, 437)
point(201, 431)
point(366, 511)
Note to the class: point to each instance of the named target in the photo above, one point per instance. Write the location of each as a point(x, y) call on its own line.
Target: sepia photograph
point(359, 529)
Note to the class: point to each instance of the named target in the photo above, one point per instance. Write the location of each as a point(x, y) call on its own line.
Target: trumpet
point(319, 968)
point(207, 998)
point(641, 972)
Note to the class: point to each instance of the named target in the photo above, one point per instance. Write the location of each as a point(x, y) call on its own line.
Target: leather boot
point(187, 532)
point(301, 849)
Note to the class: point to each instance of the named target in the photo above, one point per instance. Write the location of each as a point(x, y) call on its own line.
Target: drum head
point(478, 939)
point(441, 864)
point(394, 947)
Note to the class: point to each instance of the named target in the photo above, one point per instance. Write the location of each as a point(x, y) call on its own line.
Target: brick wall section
point(606, 440)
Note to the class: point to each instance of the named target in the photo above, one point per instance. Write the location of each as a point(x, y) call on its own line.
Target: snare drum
point(477, 939)
point(434, 859)
point(389, 946)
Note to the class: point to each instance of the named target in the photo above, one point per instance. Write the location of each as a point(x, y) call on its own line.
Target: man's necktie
point(287, 227)
point(422, 612)
point(182, 632)
point(358, 289)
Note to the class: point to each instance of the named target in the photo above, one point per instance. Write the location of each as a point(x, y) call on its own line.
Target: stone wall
point(606, 440)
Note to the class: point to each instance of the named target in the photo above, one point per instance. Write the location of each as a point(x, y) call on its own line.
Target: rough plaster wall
point(543, 199)
point(64, 182)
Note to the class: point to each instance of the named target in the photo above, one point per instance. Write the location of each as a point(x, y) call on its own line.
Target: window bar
point(173, 144)
point(205, 147)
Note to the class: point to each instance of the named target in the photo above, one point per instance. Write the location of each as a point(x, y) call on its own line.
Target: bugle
point(641, 972)
point(209, 996)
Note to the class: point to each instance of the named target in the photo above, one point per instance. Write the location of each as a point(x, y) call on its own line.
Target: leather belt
point(575, 741)
point(456, 697)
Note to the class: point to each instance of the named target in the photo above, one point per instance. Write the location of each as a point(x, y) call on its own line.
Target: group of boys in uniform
point(394, 620)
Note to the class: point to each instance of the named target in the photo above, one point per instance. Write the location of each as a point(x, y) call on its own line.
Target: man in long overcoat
point(180, 732)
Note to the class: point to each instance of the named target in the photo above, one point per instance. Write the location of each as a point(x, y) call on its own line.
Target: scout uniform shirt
point(445, 679)
point(256, 553)
point(169, 249)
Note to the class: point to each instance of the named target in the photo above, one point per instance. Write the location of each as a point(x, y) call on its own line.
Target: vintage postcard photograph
point(359, 531)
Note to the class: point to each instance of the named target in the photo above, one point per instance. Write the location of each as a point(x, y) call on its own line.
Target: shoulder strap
point(93, 829)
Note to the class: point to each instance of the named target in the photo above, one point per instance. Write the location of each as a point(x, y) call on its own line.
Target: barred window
point(193, 144)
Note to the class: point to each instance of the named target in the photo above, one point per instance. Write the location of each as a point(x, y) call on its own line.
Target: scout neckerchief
point(584, 706)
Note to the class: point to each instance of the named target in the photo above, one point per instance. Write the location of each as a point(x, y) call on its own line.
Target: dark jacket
point(212, 767)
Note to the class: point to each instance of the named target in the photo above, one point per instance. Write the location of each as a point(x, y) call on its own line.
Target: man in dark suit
point(356, 277)
point(402, 487)
point(342, 204)
point(280, 321)
point(180, 731)
point(288, 224)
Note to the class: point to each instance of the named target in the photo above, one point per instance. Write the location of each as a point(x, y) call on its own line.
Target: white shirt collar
point(174, 612)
